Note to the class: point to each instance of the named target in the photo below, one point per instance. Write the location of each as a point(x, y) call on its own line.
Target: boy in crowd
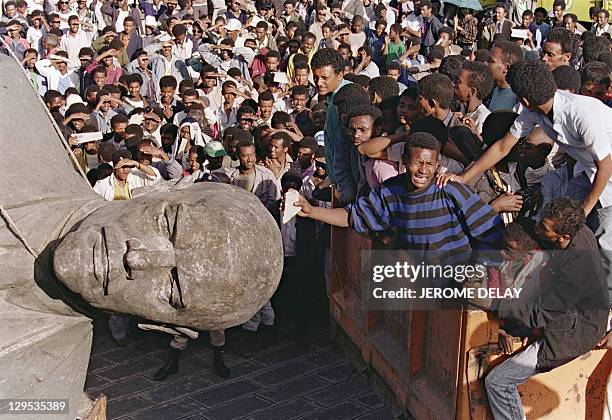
point(475, 82)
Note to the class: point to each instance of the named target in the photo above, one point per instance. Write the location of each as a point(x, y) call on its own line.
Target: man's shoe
point(121, 342)
point(170, 367)
point(220, 369)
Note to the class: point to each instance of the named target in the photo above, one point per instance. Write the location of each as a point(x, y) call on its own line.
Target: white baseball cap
point(233, 25)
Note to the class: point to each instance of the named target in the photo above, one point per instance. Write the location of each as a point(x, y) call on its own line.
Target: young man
point(74, 40)
point(595, 80)
point(431, 25)
point(415, 193)
point(558, 13)
point(435, 97)
point(539, 28)
point(327, 67)
point(365, 124)
point(366, 65)
point(55, 69)
point(254, 178)
point(134, 97)
point(559, 48)
point(394, 47)
point(572, 309)
point(278, 160)
point(261, 182)
point(475, 82)
point(503, 55)
point(581, 125)
point(446, 36)
point(602, 25)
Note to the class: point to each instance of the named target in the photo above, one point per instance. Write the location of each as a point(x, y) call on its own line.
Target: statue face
point(207, 256)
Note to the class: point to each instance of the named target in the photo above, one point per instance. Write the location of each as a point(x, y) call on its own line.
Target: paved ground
point(283, 382)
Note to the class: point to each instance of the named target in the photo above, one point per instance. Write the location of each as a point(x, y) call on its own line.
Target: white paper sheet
point(290, 210)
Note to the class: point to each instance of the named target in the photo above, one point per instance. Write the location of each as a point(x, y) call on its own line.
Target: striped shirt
point(452, 220)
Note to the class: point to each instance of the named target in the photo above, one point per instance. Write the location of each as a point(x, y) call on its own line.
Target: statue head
point(207, 256)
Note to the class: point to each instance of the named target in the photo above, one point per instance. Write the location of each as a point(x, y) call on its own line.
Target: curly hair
point(595, 72)
point(511, 52)
point(362, 110)
point(532, 81)
point(518, 232)
point(563, 37)
point(437, 87)
point(593, 46)
point(567, 78)
point(479, 78)
point(567, 214)
point(349, 96)
point(423, 141)
point(384, 86)
point(451, 66)
point(327, 57)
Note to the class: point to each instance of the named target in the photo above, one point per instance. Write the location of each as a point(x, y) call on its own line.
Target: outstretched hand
point(301, 202)
point(444, 179)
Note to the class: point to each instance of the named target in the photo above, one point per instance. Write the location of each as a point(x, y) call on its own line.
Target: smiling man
point(420, 215)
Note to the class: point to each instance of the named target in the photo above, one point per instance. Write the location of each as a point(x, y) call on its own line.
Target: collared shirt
point(581, 125)
point(371, 70)
point(479, 115)
point(72, 44)
point(183, 51)
point(600, 31)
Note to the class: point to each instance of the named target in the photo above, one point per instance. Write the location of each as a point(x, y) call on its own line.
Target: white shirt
point(119, 23)
point(215, 98)
point(54, 77)
point(600, 31)
point(64, 23)
point(581, 125)
point(371, 70)
point(183, 51)
point(479, 115)
point(413, 22)
point(73, 44)
point(135, 179)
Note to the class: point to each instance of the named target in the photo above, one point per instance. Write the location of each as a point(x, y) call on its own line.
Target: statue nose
point(145, 256)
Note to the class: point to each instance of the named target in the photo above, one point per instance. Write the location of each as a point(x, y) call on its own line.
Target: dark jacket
point(573, 306)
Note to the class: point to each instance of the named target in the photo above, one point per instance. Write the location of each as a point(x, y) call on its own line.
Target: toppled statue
point(204, 256)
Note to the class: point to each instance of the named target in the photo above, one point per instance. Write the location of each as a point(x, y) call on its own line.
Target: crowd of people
point(426, 127)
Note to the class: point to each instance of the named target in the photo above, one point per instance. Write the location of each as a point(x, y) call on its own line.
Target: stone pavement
point(283, 382)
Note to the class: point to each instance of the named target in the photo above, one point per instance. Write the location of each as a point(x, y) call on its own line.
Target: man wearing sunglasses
point(64, 12)
point(74, 40)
